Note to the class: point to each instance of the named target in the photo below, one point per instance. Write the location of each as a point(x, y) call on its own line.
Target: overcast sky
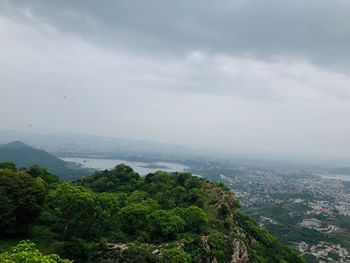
point(251, 76)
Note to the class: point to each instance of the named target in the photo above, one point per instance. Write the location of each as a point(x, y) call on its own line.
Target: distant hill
point(84, 145)
point(25, 156)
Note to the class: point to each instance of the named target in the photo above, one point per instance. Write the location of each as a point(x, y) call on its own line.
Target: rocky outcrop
point(240, 252)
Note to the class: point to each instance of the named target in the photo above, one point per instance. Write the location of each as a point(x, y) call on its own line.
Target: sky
point(252, 76)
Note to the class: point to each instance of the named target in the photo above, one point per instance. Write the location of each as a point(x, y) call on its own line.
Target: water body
point(341, 177)
point(140, 167)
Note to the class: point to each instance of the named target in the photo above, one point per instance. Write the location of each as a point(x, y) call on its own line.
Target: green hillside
point(118, 216)
point(25, 156)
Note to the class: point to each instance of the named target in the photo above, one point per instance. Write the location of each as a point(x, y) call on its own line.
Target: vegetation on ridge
point(116, 214)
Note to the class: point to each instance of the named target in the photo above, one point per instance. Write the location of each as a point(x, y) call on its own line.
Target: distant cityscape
point(308, 212)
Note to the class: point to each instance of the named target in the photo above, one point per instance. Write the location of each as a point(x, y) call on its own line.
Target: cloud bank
point(249, 76)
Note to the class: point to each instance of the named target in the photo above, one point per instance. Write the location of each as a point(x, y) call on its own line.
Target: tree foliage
point(152, 216)
point(138, 254)
point(37, 171)
point(8, 165)
point(26, 252)
point(21, 200)
point(132, 218)
point(175, 255)
point(165, 225)
point(70, 202)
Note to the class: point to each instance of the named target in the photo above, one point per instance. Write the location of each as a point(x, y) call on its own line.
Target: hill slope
point(118, 216)
point(70, 144)
point(25, 156)
point(216, 231)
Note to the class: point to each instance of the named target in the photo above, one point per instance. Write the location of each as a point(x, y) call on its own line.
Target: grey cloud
point(235, 74)
point(315, 30)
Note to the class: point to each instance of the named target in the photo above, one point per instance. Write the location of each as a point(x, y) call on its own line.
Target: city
point(308, 212)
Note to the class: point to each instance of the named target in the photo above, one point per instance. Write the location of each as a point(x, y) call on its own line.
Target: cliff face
point(239, 251)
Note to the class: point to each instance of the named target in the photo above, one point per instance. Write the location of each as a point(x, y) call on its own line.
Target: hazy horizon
point(54, 141)
point(249, 77)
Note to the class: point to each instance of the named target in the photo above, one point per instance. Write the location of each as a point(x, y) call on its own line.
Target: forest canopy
point(117, 214)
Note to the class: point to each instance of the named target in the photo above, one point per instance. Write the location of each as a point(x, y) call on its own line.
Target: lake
point(341, 177)
point(140, 167)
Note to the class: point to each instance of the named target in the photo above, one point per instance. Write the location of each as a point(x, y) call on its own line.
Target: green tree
point(165, 224)
point(179, 194)
point(76, 249)
point(132, 218)
point(38, 171)
point(196, 219)
point(121, 178)
point(218, 246)
point(26, 252)
point(138, 254)
point(101, 213)
point(137, 197)
point(70, 202)
point(175, 255)
point(21, 200)
point(8, 165)
point(140, 197)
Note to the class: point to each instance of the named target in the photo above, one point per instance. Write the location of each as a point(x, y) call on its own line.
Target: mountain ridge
point(118, 216)
point(25, 155)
